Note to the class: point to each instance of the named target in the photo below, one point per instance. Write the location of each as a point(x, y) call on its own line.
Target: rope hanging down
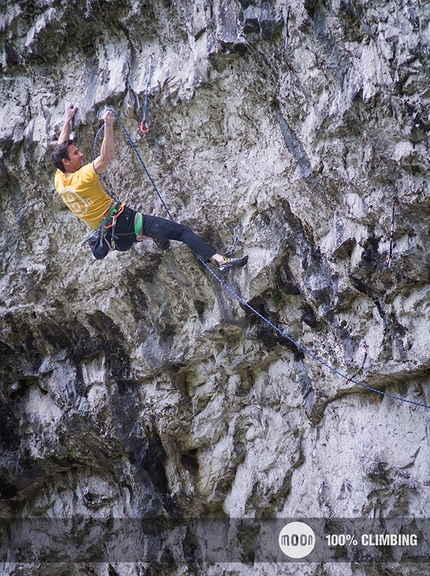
point(306, 351)
point(223, 284)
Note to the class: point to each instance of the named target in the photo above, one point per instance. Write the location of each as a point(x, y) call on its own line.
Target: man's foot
point(232, 263)
point(162, 244)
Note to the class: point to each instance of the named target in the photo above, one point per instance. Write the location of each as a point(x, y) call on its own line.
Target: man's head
point(67, 157)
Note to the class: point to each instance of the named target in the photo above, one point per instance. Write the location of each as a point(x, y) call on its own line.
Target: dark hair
point(59, 153)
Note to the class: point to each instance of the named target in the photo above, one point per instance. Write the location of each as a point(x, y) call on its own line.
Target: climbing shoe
point(162, 244)
point(232, 263)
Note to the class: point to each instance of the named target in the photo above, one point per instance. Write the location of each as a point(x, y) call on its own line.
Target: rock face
point(139, 386)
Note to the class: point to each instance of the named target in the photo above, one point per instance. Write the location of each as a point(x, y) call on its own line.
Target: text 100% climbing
point(341, 540)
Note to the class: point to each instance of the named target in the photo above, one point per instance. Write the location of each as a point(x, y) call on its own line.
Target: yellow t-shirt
point(84, 194)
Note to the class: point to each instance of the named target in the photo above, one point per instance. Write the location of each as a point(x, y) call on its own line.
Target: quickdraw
point(231, 251)
point(144, 128)
point(114, 213)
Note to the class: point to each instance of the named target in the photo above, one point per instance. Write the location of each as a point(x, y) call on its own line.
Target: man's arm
point(107, 149)
point(68, 115)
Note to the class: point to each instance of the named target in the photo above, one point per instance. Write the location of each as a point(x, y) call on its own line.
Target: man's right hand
point(109, 117)
point(107, 150)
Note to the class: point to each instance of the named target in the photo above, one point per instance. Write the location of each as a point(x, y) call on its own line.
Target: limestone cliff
point(139, 386)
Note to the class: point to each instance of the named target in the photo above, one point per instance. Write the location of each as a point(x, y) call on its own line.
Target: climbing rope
point(308, 352)
point(221, 281)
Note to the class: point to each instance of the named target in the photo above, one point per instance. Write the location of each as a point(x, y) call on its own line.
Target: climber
point(79, 186)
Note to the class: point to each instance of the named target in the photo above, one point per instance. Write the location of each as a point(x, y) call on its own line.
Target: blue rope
point(251, 308)
point(305, 350)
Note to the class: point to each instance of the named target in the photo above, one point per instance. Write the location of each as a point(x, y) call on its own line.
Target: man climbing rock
point(80, 188)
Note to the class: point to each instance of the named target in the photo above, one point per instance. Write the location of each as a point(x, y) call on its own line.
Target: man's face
point(74, 160)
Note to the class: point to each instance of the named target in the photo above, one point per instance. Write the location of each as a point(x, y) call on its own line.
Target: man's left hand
point(70, 111)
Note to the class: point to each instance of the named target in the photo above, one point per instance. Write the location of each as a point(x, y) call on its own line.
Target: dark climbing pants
point(159, 229)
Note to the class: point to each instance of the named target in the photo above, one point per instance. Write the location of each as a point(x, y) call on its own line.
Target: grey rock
point(139, 388)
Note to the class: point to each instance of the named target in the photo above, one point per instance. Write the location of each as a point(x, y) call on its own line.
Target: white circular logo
point(296, 540)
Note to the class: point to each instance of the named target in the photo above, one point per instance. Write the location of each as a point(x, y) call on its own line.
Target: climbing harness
point(98, 243)
point(112, 218)
point(349, 380)
point(390, 255)
point(144, 128)
point(112, 214)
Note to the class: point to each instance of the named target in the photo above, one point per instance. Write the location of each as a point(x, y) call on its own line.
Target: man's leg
point(162, 244)
point(163, 229)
